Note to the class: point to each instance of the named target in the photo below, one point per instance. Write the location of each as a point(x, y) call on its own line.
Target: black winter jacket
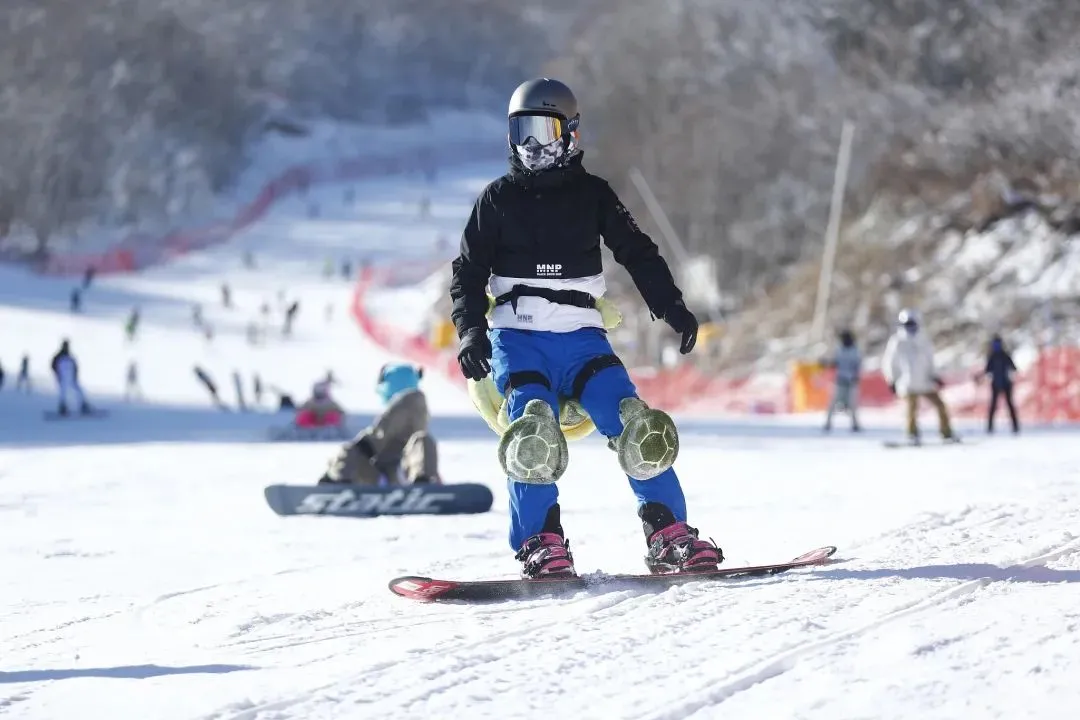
point(999, 365)
point(524, 224)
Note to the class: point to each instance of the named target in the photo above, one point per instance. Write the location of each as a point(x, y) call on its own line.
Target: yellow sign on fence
point(809, 387)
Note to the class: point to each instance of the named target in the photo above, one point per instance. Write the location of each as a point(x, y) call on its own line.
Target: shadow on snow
point(960, 571)
point(126, 672)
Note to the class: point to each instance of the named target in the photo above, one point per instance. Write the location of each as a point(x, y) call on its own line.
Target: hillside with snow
point(144, 576)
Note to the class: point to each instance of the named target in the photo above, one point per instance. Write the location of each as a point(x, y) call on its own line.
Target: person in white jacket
point(908, 366)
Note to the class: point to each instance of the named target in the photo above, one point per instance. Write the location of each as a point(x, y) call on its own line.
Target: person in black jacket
point(534, 237)
point(1000, 366)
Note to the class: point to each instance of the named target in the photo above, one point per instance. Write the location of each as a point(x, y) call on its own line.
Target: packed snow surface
point(144, 577)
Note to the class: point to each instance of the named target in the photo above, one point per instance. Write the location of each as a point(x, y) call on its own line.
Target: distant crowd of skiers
point(908, 367)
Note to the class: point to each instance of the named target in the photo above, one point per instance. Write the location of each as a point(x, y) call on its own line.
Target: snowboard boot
point(533, 448)
point(546, 555)
point(674, 546)
point(649, 441)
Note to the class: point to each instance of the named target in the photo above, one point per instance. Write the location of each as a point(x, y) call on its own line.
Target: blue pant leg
point(600, 398)
point(514, 351)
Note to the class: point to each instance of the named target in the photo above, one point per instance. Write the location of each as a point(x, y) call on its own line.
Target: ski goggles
point(545, 129)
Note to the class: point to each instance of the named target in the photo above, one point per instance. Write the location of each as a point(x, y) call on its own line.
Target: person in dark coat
point(1000, 366)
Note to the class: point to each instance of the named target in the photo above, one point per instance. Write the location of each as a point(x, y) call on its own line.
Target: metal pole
point(659, 215)
point(832, 233)
point(682, 257)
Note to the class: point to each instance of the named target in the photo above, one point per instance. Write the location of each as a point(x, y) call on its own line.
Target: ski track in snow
point(145, 578)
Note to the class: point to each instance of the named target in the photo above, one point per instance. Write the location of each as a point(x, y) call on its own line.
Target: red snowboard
point(427, 589)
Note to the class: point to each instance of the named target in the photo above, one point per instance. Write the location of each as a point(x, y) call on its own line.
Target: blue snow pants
point(558, 358)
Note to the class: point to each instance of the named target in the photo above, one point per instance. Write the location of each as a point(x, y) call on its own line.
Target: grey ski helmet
point(544, 95)
point(542, 123)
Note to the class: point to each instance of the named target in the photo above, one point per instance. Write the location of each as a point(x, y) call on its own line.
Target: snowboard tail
point(365, 501)
point(425, 589)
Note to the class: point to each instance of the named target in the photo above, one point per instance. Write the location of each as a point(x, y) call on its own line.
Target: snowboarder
point(848, 365)
point(397, 447)
point(1000, 366)
point(908, 366)
point(66, 370)
point(76, 300)
point(23, 381)
point(534, 236)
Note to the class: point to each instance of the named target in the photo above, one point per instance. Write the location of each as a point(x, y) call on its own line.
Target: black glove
point(474, 351)
point(892, 388)
point(683, 322)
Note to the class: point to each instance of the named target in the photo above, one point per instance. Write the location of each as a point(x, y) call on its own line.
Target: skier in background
point(848, 365)
point(23, 381)
point(66, 370)
point(290, 317)
point(1000, 366)
point(908, 366)
point(534, 236)
point(397, 447)
point(238, 386)
point(132, 390)
point(131, 328)
point(211, 388)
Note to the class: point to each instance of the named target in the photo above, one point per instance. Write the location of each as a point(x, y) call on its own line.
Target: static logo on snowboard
point(396, 502)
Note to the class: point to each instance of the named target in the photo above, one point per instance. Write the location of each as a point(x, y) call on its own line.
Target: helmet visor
point(545, 129)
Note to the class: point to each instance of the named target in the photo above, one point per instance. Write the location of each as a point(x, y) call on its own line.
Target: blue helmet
point(396, 378)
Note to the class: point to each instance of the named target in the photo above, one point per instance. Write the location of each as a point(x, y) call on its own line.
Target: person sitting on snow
point(397, 447)
point(320, 410)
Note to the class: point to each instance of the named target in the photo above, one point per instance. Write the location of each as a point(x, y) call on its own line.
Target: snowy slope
point(144, 577)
